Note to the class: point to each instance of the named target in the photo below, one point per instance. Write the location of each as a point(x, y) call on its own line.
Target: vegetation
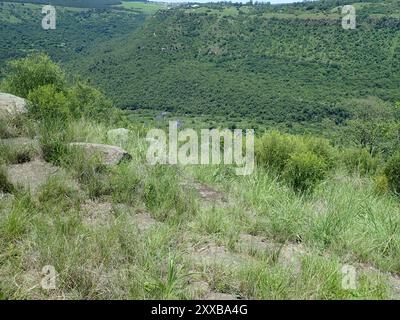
point(21, 31)
point(103, 252)
point(259, 64)
point(315, 202)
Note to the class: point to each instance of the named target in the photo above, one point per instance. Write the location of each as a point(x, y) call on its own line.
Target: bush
point(392, 171)
point(61, 191)
point(360, 160)
point(53, 140)
point(273, 149)
point(322, 148)
point(381, 184)
point(47, 102)
point(12, 154)
point(29, 73)
point(304, 170)
point(91, 103)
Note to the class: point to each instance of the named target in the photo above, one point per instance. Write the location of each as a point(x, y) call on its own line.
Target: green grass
point(344, 221)
point(145, 7)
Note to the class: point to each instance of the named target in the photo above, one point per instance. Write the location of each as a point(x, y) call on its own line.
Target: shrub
point(88, 170)
point(356, 159)
point(392, 171)
point(381, 184)
point(304, 170)
point(47, 102)
point(322, 148)
point(91, 103)
point(273, 149)
point(29, 73)
point(53, 139)
point(126, 184)
point(12, 154)
point(61, 191)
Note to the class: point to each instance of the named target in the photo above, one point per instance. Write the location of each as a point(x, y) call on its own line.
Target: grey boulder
point(110, 155)
point(11, 106)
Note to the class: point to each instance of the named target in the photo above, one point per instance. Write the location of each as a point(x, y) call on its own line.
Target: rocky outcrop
point(110, 155)
point(30, 175)
point(11, 106)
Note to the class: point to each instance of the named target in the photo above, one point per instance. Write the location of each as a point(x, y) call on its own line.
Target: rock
point(110, 155)
point(11, 106)
point(97, 213)
point(21, 141)
point(212, 254)
point(118, 136)
point(23, 149)
point(144, 221)
point(206, 193)
point(30, 175)
point(220, 296)
point(256, 244)
point(198, 288)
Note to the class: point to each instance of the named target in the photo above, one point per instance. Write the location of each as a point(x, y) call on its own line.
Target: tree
point(27, 74)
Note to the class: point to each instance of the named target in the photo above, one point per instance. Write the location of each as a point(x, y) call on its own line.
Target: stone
point(26, 148)
point(219, 296)
point(97, 213)
point(144, 221)
point(11, 106)
point(110, 155)
point(30, 175)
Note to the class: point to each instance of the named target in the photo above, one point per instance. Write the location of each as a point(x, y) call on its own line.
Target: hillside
point(21, 30)
point(80, 201)
point(84, 213)
point(289, 64)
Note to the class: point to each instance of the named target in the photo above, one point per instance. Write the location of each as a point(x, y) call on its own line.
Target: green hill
point(77, 30)
point(270, 64)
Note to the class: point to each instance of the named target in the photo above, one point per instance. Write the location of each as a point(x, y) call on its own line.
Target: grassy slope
point(97, 256)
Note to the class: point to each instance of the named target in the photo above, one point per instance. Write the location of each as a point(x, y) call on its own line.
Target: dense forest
point(259, 62)
point(77, 30)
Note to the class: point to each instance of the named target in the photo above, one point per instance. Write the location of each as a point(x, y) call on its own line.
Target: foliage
point(392, 171)
point(29, 73)
point(381, 184)
point(304, 170)
point(360, 160)
point(49, 103)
